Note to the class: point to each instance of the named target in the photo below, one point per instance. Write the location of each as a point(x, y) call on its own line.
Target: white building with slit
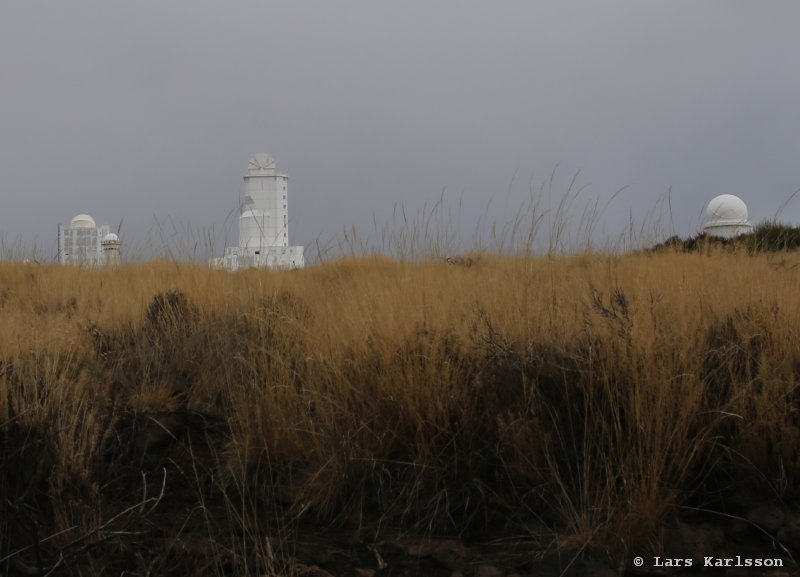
point(263, 222)
point(81, 243)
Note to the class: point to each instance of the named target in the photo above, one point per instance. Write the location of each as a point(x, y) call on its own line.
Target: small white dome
point(726, 217)
point(82, 221)
point(110, 238)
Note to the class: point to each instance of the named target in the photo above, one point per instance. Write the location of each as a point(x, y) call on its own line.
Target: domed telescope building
point(80, 243)
point(263, 222)
point(111, 244)
point(726, 217)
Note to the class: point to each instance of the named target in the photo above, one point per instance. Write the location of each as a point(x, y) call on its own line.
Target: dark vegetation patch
point(766, 237)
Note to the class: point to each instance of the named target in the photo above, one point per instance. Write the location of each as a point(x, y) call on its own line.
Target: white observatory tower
point(111, 244)
point(263, 222)
point(726, 217)
point(264, 218)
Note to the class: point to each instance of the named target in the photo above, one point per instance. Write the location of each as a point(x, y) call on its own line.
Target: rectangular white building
point(80, 243)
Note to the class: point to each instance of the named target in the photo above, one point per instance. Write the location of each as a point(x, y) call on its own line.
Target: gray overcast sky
point(126, 110)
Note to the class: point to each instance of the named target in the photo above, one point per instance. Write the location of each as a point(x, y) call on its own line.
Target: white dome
point(110, 237)
point(82, 221)
point(726, 217)
point(726, 208)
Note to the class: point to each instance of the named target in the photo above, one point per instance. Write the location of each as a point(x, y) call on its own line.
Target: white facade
point(80, 243)
point(263, 222)
point(726, 217)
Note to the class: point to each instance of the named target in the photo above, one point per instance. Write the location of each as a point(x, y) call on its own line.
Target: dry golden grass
point(591, 394)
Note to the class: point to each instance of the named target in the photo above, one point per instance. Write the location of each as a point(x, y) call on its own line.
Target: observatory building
point(81, 242)
point(726, 217)
point(111, 244)
point(263, 222)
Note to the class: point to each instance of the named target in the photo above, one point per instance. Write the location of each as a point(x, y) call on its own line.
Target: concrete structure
point(111, 244)
point(80, 243)
point(726, 217)
point(263, 222)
